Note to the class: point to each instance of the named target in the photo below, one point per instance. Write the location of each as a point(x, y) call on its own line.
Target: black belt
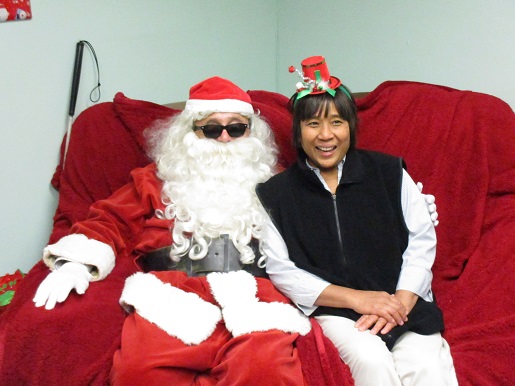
point(222, 256)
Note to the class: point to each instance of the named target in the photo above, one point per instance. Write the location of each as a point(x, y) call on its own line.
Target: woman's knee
point(424, 360)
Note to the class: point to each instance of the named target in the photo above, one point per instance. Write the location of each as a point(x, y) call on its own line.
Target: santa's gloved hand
point(58, 284)
point(431, 206)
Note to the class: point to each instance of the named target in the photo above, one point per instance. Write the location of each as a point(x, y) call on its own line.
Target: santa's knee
point(265, 370)
point(126, 371)
point(262, 358)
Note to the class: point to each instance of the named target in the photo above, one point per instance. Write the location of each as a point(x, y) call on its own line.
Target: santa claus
point(207, 316)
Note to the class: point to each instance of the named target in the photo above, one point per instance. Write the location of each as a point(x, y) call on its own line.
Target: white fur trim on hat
point(80, 249)
point(181, 314)
point(219, 105)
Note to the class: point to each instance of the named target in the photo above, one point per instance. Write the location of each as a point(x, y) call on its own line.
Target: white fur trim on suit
point(242, 311)
point(233, 287)
point(181, 314)
point(80, 249)
point(260, 316)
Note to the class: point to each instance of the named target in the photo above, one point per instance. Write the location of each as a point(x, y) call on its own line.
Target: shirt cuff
point(417, 280)
point(307, 288)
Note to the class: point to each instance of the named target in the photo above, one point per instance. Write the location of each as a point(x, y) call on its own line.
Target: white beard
point(209, 190)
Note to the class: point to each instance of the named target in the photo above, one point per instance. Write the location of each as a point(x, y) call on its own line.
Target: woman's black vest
point(355, 238)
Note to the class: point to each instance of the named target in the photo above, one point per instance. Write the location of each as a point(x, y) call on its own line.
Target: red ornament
point(291, 69)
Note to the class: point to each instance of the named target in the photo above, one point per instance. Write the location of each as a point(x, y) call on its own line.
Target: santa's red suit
point(224, 329)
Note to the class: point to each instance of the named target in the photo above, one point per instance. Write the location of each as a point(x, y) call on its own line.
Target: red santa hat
point(218, 95)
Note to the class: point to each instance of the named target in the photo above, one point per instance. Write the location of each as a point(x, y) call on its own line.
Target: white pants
point(415, 360)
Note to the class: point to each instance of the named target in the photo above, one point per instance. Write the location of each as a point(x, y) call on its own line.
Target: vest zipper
point(338, 228)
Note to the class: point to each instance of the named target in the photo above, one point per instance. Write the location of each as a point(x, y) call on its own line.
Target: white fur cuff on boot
point(233, 287)
point(181, 314)
point(260, 316)
point(243, 313)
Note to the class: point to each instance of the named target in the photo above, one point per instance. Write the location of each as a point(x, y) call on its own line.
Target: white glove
point(58, 284)
point(431, 206)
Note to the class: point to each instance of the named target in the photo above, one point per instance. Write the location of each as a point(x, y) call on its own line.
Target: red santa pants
point(150, 356)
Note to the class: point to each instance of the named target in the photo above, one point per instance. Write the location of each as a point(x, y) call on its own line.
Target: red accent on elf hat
point(317, 63)
point(218, 95)
point(316, 78)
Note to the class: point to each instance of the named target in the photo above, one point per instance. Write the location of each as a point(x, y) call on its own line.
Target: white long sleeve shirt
point(303, 288)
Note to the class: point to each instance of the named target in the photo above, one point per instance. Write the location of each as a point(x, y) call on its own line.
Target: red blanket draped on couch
point(461, 145)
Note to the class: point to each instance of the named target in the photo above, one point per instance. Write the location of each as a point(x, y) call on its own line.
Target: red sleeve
point(119, 221)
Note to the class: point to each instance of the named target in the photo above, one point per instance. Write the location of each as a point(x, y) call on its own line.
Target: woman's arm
point(308, 291)
point(418, 258)
point(302, 287)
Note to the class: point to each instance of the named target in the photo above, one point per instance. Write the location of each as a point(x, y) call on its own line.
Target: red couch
point(460, 144)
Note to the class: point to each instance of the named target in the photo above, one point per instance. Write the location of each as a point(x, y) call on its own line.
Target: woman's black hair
point(317, 105)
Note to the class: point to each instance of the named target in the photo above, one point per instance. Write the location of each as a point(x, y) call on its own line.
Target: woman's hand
point(378, 324)
point(377, 305)
point(373, 305)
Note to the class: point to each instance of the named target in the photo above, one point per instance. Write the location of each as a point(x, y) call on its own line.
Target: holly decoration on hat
point(308, 85)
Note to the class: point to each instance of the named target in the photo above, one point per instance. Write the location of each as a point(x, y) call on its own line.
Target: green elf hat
point(316, 78)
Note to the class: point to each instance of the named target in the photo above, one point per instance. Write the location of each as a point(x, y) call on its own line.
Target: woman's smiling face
point(325, 138)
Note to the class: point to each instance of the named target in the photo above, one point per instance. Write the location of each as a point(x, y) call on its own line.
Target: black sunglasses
point(235, 130)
